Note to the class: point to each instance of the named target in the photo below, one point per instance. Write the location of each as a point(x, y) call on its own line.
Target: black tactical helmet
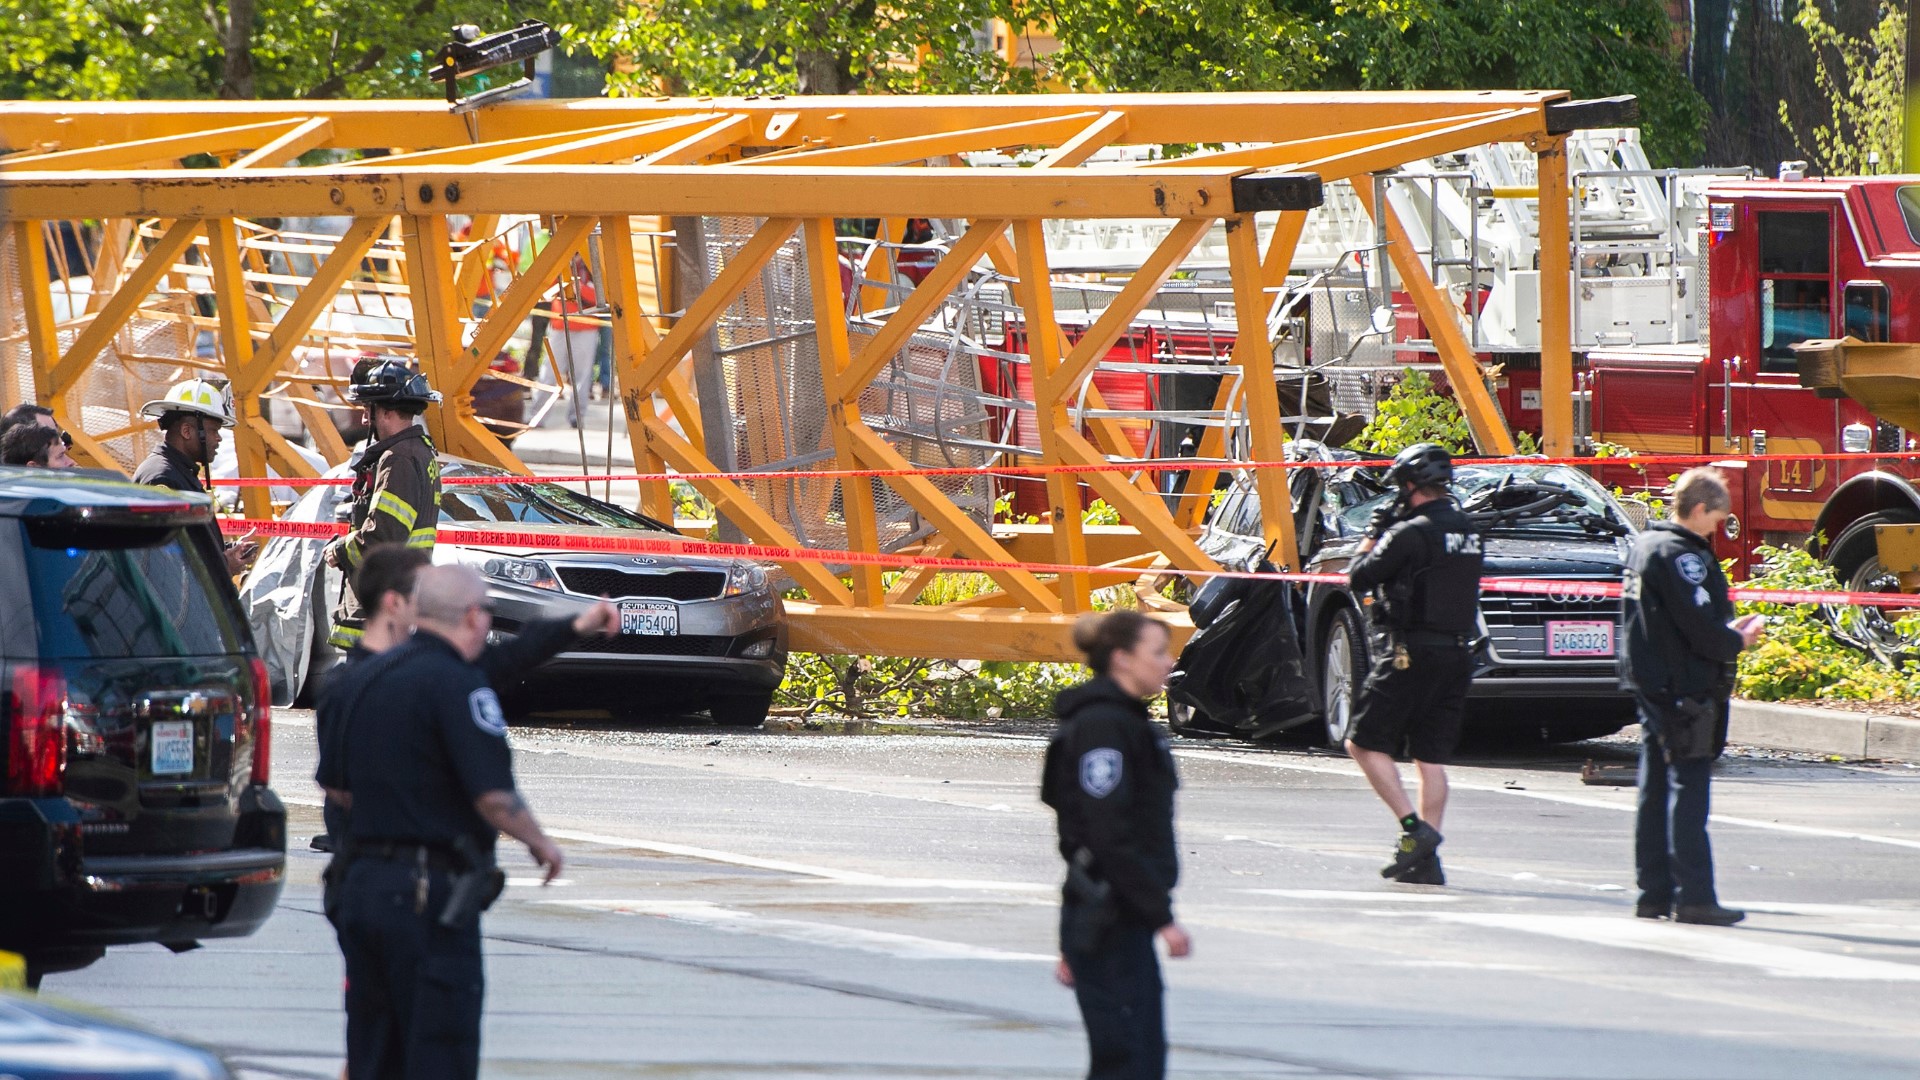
point(1422, 465)
point(378, 380)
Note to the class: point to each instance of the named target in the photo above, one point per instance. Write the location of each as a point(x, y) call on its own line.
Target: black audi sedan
point(1545, 663)
point(134, 717)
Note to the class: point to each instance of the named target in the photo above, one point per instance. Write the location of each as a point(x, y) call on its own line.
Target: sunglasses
point(67, 438)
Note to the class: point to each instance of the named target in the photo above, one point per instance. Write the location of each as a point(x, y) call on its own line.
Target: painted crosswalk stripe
point(731, 920)
point(1711, 945)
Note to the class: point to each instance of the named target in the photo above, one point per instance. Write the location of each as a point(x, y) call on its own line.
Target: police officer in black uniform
point(1109, 776)
point(1422, 560)
point(384, 587)
point(1677, 655)
point(429, 780)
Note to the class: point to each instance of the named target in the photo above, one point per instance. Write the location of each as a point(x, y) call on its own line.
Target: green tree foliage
point(808, 47)
point(1415, 412)
point(1862, 82)
point(1594, 48)
point(1801, 658)
point(108, 49)
point(1591, 47)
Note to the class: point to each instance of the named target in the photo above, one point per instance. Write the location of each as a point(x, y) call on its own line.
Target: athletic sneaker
point(1426, 873)
point(1413, 849)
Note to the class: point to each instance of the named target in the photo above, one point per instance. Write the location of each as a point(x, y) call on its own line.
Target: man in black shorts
point(1422, 561)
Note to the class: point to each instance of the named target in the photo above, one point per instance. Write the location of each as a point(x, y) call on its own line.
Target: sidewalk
point(1829, 732)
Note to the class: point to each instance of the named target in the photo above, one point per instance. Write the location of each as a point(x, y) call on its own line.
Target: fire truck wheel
point(1855, 558)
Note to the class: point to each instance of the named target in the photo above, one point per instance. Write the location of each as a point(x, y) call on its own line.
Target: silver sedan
point(695, 631)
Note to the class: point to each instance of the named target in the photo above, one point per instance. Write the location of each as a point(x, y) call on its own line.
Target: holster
point(1090, 909)
point(475, 888)
point(333, 880)
point(1691, 728)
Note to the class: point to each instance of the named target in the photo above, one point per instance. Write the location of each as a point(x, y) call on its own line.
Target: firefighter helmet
point(378, 380)
point(195, 397)
point(1422, 465)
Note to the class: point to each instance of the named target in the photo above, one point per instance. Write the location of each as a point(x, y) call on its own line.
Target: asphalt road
point(753, 905)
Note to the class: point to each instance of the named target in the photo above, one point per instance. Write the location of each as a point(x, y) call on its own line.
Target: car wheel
point(1343, 667)
point(740, 710)
point(1192, 723)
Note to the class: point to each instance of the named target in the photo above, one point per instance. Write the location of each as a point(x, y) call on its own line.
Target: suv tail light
point(262, 720)
point(36, 704)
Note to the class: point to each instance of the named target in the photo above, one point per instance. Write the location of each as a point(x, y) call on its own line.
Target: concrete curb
point(1832, 732)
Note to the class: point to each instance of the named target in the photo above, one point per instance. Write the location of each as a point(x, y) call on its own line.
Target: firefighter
point(1109, 776)
point(1677, 656)
point(191, 418)
point(1423, 557)
point(396, 482)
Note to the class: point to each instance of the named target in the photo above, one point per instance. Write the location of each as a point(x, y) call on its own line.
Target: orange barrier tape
point(1182, 465)
point(611, 542)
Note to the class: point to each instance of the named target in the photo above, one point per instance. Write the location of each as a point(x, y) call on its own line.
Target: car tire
point(1192, 723)
point(1343, 668)
point(740, 710)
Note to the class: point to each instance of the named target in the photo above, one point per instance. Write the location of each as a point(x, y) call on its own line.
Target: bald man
point(430, 778)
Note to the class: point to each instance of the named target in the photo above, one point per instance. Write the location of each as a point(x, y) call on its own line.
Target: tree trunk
point(821, 71)
point(236, 75)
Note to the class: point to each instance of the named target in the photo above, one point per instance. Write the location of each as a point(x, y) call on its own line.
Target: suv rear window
point(112, 591)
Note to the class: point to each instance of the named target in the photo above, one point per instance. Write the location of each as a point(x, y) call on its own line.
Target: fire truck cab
point(1788, 262)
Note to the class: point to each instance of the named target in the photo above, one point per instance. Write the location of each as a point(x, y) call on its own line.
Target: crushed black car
point(1273, 657)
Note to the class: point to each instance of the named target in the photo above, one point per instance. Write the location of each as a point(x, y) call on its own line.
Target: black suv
point(134, 715)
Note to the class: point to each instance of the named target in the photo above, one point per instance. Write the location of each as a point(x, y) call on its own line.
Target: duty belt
point(439, 857)
point(1437, 638)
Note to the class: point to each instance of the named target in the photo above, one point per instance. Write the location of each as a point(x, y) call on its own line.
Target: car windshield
point(541, 504)
point(110, 591)
point(1473, 483)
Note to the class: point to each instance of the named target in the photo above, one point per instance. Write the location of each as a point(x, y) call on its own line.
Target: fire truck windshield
point(1909, 195)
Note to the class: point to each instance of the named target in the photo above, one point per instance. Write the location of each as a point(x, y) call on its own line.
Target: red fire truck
point(1789, 261)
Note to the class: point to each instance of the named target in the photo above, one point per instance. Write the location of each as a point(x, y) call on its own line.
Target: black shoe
point(1426, 873)
point(1707, 914)
point(322, 842)
point(1653, 909)
point(1413, 849)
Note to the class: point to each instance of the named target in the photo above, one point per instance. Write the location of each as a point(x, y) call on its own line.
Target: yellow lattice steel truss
point(187, 250)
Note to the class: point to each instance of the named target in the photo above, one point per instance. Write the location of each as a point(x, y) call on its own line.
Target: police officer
point(429, 779)
point(1677, 657)
point(191, 418)
point(1422, 556)
point(396, 482)
point(1109, 776)
point(384, 587)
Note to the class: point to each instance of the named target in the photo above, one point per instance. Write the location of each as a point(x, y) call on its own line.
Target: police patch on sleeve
point(487, 714)
point(1100, 771)
point(1692, 567)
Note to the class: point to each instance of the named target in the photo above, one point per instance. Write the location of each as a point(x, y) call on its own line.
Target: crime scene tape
point(1154, 466)
point(606, 543)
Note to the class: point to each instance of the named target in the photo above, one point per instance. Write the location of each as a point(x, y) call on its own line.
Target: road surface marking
point(1713, 945)
point(729, 920)
point(1381, 897)
point(825, 873)
point(1353, 772)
